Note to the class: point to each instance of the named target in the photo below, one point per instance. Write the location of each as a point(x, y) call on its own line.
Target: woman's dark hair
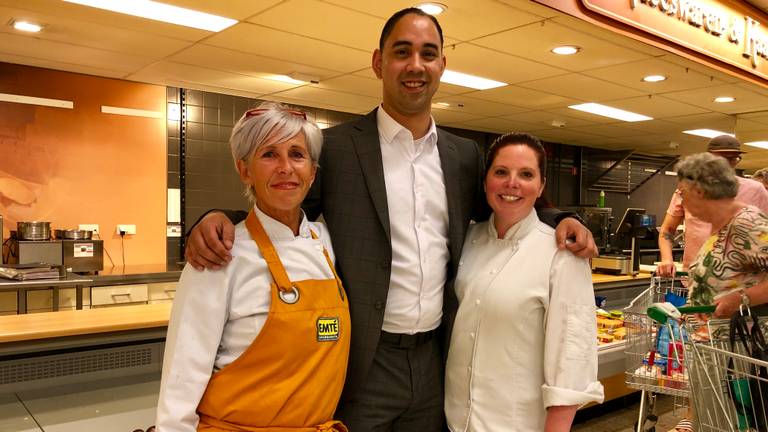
point(393, 20)
point(524, 139)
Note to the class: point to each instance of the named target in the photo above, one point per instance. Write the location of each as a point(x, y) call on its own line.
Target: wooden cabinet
point(162, 292)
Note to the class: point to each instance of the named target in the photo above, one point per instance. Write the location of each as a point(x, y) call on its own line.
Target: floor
point(127, 404)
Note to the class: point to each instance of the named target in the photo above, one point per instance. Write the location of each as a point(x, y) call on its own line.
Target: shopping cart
point(728, 387)
point(654, 352)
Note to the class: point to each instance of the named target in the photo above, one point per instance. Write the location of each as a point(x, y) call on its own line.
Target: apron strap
point(268, 250)
point(330, 264)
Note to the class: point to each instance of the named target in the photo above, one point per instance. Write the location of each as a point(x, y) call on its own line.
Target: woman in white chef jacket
point(523, 354)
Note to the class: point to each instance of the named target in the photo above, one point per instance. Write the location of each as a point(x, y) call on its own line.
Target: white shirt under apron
point(418, 220)
point(217, 314)
point(525, 333)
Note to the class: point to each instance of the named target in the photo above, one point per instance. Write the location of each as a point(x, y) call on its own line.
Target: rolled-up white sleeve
point(200, 311)
point(570, 346)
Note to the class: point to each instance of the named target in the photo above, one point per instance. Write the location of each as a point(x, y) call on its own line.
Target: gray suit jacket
point(349, 191)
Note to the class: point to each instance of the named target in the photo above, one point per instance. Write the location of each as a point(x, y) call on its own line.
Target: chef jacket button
point(477, 301)
point(493, 271)
point(379, 305)
point(461, 262)
point(469, 368)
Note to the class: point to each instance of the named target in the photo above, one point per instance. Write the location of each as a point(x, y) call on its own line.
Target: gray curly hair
point(268, 123)
point(761, 174)
point(712, 174)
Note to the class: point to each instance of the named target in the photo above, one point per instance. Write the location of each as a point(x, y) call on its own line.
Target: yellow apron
point(290, 378)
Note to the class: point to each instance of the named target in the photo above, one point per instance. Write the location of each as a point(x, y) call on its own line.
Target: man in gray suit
point(397, 194)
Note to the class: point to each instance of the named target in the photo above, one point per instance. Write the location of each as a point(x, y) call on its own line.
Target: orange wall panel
point(74, 166)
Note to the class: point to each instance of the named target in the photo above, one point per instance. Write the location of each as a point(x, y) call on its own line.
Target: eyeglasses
point(258, 111)
point(733, 158)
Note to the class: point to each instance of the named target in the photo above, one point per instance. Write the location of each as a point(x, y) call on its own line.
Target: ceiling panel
point(353, 84)
point(11, 44)
point(259, 40)
point(656, 106)
point(582, 88)
point(319, 20)
point(523, 97)
point(319, 95)
point(631, 75)
point(92, 15)
point(594, 52)
point(247, 64)
point(236, 9)
point(476, 60)
point(497, 125)
point(446, 117)
point(193, 76)
point(747, 99)
point(59, 65)
point(470, 105)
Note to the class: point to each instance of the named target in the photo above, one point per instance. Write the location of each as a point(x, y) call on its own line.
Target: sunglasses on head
point(258, 111)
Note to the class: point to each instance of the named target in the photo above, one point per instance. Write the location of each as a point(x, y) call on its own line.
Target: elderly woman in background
point(268, 350)
point(523, 353)
point(731, 267)
point(761, 175)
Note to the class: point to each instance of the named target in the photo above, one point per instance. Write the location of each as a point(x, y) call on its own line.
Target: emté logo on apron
point(327, 329)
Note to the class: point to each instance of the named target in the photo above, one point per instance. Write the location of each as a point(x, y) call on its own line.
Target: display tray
point(611, 346)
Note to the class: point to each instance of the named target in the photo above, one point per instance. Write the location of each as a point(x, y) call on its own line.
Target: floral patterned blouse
point(734, 257)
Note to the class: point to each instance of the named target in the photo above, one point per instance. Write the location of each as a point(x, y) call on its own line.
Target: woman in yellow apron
point(269, 352)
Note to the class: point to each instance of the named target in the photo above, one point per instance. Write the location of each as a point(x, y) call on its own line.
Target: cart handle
point(661, 312)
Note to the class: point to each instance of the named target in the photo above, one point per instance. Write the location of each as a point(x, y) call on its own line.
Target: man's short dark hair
point(394, 19)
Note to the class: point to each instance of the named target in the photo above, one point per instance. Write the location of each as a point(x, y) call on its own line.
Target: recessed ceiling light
point(707, 133)
point(162, 12)
point(443, 104)
point(27, 26)
point(654, 78)
point(566, 50)
point(760, 144)
point(432, 8)
point(724, 99)
point(471, 81)
point(611, 112)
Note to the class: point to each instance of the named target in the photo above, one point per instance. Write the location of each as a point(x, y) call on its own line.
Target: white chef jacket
point(217, 314)
point(525, 336)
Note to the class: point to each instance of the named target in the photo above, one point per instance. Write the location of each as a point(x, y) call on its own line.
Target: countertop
point(598, 278)
point(109, 276)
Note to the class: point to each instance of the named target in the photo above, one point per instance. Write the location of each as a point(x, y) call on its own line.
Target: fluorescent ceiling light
point(611, 112)
point(431, 8)
point(162, 12)
point(130, 112)
point(724, 99)
point(654, 78)
point(443, 104)
point(286, 79)
point(31, 100)
point(760, 144)
point(707, 133)
point(566, 50)
point(27, 26)
point(471, 81)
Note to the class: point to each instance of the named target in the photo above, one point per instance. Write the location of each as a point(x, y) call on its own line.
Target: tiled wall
point(212, 182)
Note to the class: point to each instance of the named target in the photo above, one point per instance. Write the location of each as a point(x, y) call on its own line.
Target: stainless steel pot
point(33, 230)
point(74, 234)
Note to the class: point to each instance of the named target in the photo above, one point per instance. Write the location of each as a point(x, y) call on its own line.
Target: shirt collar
point(516, 231)
point(389, 128)
point(279, 231)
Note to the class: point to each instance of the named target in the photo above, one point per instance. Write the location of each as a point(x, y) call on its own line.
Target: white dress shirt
point(418, 221)
point(524, 337)
point(217, 314)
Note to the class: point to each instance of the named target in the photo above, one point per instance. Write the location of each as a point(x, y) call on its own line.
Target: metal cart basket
point(729, 389)
point(648, 368)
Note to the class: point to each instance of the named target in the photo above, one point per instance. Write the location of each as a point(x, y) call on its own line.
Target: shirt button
point(461, 262)
point(472, 335)
point(493, 271)
point(469, 368)
point(477, 301)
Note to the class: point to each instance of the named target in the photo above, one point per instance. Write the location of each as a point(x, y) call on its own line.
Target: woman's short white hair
point(712, 174)
point(270, 123)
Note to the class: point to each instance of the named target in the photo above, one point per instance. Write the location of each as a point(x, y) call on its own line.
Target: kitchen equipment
point(73, 234)
point(598, 220)
point(33, 230)
point(35, 251)
point(83, 255)
point(618, 264)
